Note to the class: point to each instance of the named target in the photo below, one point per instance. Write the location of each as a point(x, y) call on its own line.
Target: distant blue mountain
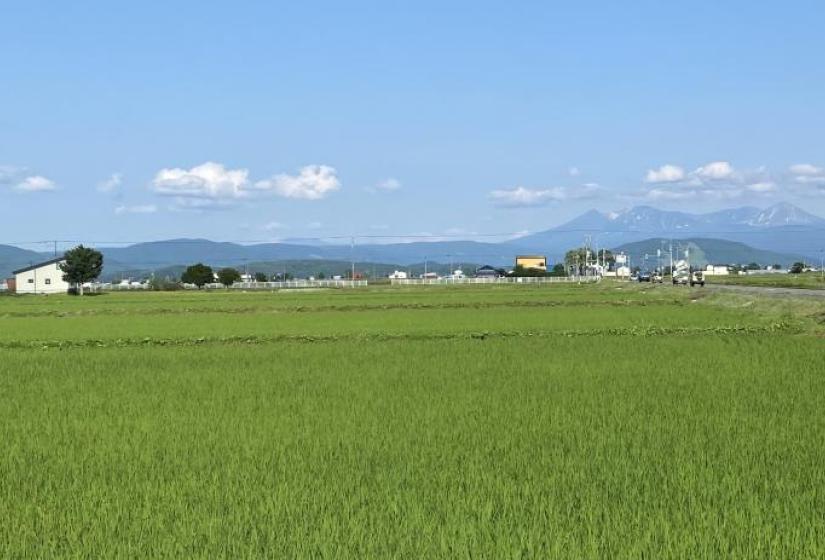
point(12, 258)
point(782, 228)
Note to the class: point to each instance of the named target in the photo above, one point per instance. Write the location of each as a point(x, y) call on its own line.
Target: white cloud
point(35, 183)
point(139, 209)
point(762, 187)
point(717, 180)
point(315, 225)
point(389, 184)
point(715, 171)
point(207, 181)
point(806, 169)
point(693, 193)
point(665, 174)
point(574, 171)
point(313, 182)
point(522, 196)
point(111, 184)
point(807, 174)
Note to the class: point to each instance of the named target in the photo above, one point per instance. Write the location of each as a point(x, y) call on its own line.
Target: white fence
point(291, 284)
point(502, 280)
point(115, 287)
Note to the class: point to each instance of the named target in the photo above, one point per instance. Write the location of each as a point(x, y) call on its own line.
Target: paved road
point(767, 290)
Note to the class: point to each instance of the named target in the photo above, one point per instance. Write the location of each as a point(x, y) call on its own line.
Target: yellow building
point(532, 261)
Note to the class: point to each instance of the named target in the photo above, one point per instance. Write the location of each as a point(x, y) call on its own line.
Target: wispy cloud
point(111, 183)
point(524, 197)
point(138, 209)
point(273, 225)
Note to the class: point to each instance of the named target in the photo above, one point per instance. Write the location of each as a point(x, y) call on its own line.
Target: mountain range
point(781, 234)
point(782, 228)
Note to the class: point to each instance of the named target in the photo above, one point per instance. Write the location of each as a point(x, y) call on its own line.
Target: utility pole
point(352, 257)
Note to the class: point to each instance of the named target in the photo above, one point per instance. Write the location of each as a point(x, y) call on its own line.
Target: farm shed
point(41, 278)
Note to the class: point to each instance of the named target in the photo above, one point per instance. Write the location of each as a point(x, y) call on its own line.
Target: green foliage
point(578, 257)
point(228, 276)
point(558, 270)
point(477, 421)
point(260, 277)
point(83, 264)
point(164, 285)
point(521, 271)
point(797, 268)
point(198, 274)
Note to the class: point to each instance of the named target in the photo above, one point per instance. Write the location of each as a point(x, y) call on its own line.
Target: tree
point(521, 271)
point(82, 264)
point(228, 276)
point(797, 268)
point(558, 270)
point(321, 276)
point(260, 277)
point(579, 257)
point(198, 274)
point(753, 266)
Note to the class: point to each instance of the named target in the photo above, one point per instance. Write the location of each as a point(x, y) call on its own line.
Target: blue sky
point(264, 120)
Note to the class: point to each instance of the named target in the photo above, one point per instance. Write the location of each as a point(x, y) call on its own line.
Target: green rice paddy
point(489, 421)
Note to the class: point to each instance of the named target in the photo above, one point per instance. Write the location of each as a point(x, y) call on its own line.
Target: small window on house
point(48, 280)
point(30, 280)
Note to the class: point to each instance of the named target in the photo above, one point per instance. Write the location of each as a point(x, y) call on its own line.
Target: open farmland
point(808, 280)
point(473, 421)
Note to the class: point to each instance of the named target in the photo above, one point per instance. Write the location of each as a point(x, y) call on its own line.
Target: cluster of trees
point(520, 271)
point(577, 259)
point(200, 274)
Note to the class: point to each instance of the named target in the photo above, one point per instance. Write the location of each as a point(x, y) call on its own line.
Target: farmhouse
point(488, 271)
point(532, 261)
point(41, 278)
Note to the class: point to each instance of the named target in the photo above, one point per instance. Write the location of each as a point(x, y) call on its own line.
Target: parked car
point(657, 277)
point(643, 277)
point(697, 278)
point(680, 276)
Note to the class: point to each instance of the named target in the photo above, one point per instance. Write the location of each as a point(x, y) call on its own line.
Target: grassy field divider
point(347, 308)
point(644, 331)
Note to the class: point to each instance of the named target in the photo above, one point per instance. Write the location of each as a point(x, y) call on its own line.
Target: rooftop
point(39, 265)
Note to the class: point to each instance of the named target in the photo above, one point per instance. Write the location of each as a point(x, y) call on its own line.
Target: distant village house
point(41, 278)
